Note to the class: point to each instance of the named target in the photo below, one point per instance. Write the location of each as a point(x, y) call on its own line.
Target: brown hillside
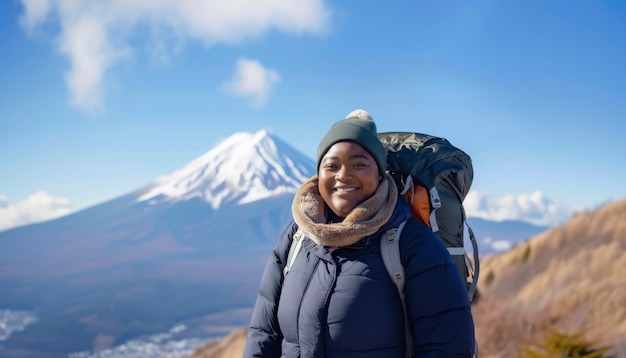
point(229, 347)
point(570, 278)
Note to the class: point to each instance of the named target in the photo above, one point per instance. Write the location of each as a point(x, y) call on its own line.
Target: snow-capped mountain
point(242, 169)
point(192, 243)
point(234, 197)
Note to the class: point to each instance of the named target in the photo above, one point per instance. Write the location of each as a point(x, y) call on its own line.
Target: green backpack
point(434, 177)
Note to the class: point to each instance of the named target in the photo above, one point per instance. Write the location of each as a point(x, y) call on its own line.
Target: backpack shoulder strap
point(390, 252)
point(294, 249)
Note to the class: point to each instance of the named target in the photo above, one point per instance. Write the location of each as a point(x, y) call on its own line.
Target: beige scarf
point(308, 210)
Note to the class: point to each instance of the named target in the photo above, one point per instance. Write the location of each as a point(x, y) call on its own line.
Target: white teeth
point(346, 190)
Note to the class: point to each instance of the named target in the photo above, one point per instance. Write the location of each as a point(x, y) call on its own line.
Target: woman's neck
point(331, 217)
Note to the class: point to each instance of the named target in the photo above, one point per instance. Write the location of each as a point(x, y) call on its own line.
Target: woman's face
point(348, 175)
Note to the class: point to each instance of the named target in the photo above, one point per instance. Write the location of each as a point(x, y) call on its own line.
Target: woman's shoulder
point(414, 229)
point(418, 239)
point(290, 229)
point(286, 237)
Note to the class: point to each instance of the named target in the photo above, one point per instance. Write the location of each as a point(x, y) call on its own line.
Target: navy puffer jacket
point(343, 303)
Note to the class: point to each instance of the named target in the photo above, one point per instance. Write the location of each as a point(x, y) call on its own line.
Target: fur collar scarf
point(309, 212)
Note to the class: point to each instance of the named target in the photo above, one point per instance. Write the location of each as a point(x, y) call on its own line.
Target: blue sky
point(98, 98)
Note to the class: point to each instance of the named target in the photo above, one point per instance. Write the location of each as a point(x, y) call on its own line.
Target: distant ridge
point(497, 237)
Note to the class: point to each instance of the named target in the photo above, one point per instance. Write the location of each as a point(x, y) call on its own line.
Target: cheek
point(372, 184)
point(371, 189)
point(323, 184)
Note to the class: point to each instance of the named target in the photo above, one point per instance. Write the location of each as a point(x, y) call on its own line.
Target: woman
point(337, 300)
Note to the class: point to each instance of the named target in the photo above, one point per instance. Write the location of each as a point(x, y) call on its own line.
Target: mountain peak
point(243, 168)
point(244, 139)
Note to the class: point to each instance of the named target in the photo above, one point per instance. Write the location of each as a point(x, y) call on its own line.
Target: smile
point(345, 190)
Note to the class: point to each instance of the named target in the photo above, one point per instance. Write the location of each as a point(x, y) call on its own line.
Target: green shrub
point(489, 278)
point(562, 345)
point(526, 254)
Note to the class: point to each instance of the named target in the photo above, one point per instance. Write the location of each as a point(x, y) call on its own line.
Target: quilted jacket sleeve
point(264, 336)
point(437, 300)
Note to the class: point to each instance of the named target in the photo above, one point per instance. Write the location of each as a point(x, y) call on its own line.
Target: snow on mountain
point(244, 168)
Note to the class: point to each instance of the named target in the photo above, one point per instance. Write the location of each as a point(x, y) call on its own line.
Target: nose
point(343, 173)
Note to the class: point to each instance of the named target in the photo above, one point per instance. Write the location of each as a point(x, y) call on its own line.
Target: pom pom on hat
point(358, 127)
point(360, 114)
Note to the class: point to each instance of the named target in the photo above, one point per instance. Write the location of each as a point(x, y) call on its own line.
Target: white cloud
point(95, 34)
point(35, 12)
point(37, 207)
point(252, 81)
point(535, 208)
point(501, 245)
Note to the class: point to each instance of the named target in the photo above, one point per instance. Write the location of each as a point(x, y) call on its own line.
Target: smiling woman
point(321, 302)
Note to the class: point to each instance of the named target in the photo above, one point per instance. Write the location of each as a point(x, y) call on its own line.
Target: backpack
point(434, 177)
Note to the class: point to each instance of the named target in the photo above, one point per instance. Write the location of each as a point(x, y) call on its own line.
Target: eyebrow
point(352, 157)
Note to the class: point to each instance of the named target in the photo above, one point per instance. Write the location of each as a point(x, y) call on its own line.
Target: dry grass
point(571, 278)
point(229, 347)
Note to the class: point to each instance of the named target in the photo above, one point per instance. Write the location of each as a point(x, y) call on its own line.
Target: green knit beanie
point(358, 127)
